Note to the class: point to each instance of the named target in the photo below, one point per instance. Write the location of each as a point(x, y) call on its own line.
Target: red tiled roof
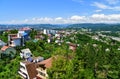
point(15, 38)
point(74, 45)
point(25, 28)
point(47, 63)
point(13, 35)
point(4, 48)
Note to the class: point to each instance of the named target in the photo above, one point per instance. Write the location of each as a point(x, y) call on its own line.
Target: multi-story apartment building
point(27, 70)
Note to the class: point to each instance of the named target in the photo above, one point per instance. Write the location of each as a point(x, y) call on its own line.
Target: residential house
point(95, 37)
point(50, 39)
point(27, 70)
point(49, 31)
point(72, 46)
point(25, 29)
point(23, 34)
point(2, 43)
point(59, 42)
point(8, 51)
point(39, 37)
point(37, 59)
point(25, 53)
point(42, 68)
point(14, 40)
point(20, 38)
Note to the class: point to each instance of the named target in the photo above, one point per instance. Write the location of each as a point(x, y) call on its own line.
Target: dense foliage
point(93, 59)
point(89, 62)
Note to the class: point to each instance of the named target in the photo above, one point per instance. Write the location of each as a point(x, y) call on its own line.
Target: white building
point(25, 53)
point(27, 70)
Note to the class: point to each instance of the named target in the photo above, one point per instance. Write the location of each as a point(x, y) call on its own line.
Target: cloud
point(58, 18)
point(76, 17)
point(94, 18)
point(98, 11)
point(113, 1)
point(100, 5)
point(80, 1)
point(102, 18)
point(103, 6)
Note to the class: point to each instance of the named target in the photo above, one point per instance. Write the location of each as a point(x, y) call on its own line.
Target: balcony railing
point(22, 74)
point(23, 70)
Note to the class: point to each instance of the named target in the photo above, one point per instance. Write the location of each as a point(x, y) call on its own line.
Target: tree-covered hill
point(97, 27)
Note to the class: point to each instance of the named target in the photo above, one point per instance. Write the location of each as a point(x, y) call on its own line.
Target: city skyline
point(59, 11)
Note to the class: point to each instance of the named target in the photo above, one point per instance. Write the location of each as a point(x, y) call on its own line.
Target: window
point(27, 54)
point(41, 73)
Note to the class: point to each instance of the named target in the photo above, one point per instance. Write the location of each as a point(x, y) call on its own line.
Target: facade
point(20, 38)
point(2, 43)
point(25, 29)
point(49, 31)
point(25, 53)
point(14, 40)
point(37, 59)
point(27, 70)
point(23, 34)
point(42, 68)
point(39, 37)
point(37, 69)
point(72, 46)
point(8, 51)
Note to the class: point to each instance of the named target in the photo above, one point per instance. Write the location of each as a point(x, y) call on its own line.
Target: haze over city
point(59, 11)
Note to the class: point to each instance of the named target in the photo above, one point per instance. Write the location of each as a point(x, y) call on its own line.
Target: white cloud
point(58, 18)
point(76, 17)
point(100, 5)
point(98, 11)
point(113, 1)
point(103, 6)
point(95, 18)
point(102, 18)
point(26, 20)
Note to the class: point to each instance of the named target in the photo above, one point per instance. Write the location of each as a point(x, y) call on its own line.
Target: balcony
point(22, 64)
point(22, 74)
point(23, 70)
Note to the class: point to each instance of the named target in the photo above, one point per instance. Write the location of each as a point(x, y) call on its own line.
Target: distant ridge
point(93, 26)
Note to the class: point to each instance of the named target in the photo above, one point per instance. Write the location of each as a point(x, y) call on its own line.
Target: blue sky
point(59, 11)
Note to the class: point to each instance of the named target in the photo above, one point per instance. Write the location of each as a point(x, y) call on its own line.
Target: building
point(39, 37)
point(7, 51)
point(37, 59)
point(25, 53)
point(27, 70)
point(37, 69)
point(44, 31)
point(14, 40)
point(25, 29)
point(72, 46)
point(42, 68)
point(2, 43)
point(49, 31)
point(95, 37)
point(23, 34)
point(20, 38)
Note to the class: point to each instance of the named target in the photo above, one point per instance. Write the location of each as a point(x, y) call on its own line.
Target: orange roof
point(47, 63)
point(74, 45)
point(4, 48)
point(13, 35)
point(25, 28)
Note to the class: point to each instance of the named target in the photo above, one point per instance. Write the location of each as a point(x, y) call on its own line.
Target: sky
point(59, 11)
